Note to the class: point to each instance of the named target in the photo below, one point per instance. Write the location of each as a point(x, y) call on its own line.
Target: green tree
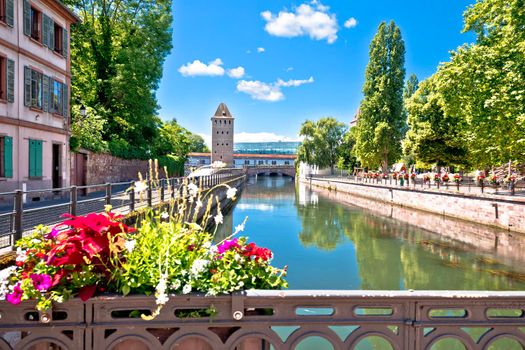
point(321, 143)
point(433, 137)
point(197, 144)
point(381, 124)
point(117, 53)
point(347, 159)
point(484, 83)
point(411, 87)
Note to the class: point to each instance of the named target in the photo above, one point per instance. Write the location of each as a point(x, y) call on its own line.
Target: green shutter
point(45, 30)
point(65, 101)
point(10, 12)
point(51, 37)
point(27, 86)
point(38, 161)
point(46, 103)
point(64, 42)
point(8, 156)
point(27, 17)
point(10, 81)
point(31, 158)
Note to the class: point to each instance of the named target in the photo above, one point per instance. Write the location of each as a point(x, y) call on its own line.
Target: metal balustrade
point(259, 319)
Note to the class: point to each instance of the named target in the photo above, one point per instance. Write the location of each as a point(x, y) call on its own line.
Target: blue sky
point(277, 63)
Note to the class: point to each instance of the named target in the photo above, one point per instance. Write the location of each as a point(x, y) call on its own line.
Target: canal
point(333, 241)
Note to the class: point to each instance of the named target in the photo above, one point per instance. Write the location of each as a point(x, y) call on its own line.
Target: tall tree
point(321, 143)
point(484, 83)
point(347, 159)
point(381, 123)
point(411, 87)
point(117, 53)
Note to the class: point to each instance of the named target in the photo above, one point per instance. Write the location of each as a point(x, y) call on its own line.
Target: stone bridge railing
point(255, 320)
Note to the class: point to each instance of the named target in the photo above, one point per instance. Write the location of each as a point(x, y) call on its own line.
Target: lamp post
point(83, 111)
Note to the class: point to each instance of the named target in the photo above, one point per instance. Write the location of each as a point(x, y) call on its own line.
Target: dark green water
point(329, 245)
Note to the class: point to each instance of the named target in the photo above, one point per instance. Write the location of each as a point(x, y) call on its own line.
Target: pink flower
point(41, 282)
point(227, 245)
point(16, 296)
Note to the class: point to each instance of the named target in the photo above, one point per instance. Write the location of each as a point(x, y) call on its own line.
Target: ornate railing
point(439, 320)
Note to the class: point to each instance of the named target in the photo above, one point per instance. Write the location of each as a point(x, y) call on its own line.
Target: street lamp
point(83, 111)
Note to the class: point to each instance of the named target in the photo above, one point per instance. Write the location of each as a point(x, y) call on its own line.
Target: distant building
point(196, 159)
point(222, 124)
point(353, 122)
point(35, 82)
point(280, 147)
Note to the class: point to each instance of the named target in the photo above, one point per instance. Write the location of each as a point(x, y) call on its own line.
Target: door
point(80, 171)
point(55, 174)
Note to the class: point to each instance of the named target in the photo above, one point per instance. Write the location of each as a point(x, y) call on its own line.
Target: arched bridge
point(288, 170)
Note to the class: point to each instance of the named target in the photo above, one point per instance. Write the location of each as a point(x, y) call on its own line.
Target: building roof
point(65, 10)
point(222, 111)
point(245, 155)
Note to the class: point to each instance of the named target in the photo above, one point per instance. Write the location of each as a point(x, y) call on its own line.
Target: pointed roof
point(222, 111)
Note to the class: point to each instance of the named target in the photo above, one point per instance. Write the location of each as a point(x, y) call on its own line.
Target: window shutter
point(32, 158)
point(65, 101)
point(27, 18)
point(10, 81)
point(45, 30)
point(8, 156)
point(51, 34)
point(46, 103)
point(64, 42)
point(10, 12)
point(38, 160)
point(27, 86)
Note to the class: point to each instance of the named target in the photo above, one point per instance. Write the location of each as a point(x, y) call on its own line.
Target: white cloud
point(289, 69)
point(294, 83)
point(270, 92)
point(197, 68)
point(262, 137)
point(236, 73)
point(261, 49)
point(313, 19)
point(260, 91)
point(350, 23)
point(207, 139)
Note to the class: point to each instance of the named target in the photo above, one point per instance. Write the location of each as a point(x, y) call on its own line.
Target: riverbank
point(508, 214)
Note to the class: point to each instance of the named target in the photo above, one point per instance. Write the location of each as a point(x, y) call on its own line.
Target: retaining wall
point(503, 213)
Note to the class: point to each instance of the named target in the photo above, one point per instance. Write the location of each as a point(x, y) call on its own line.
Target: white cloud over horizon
point(261, 49)
point(254, 137)
point(236, 73)
point(309, 19)
point(270, 92)
point(350, 23)
point(198, 68)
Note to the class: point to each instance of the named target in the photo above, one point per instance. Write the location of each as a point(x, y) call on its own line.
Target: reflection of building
point(34, 94)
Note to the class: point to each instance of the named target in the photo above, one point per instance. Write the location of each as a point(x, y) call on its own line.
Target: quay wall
point(507, 214)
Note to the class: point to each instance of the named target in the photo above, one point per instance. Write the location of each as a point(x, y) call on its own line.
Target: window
point(58, 38)
point(35, 158)
point(203, 161)
point(274, 162)
point(3, 77)
point(247, 162)
point(6, 156)
point(36, 89)
point(35, 24)
point(261, 162)
point(56, 97)
point(2, 10)
point(286, 162)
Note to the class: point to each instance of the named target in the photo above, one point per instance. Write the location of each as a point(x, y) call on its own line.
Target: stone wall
point(104, 168)
point(507, 214)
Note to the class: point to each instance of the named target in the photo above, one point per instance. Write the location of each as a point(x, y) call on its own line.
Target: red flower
point(258, 253)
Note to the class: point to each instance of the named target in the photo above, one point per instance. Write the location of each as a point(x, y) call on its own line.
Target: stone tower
point(222, 136)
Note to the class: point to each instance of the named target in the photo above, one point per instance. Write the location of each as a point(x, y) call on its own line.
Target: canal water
point(327, 244)
point(331, 240)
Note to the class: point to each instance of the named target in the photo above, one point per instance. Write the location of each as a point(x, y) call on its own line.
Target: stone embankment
point(503, 212)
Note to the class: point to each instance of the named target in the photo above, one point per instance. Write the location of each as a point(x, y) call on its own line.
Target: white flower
point(239, 228)
point(20, 255)
point(199, 265)
point(237, 257)
point(140, 186)
point(160, 291)
point(214, 249)
point(35, 241)
point(192, 189)
point(164, 215)
point(219, 219)
point(198, 204)
point(206, 244)
point(186, 289)
point(6, 273)
point(130, 245)
point(230, 194)
point(175, 285)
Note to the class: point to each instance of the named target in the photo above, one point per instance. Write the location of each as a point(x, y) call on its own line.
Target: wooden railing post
point(161, 183)
point(108, 194)
point(132, 197)
point(18, 213)
point(74, 200)
point(149, 193)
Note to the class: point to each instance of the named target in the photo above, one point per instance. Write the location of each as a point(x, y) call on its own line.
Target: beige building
point(34, 94)
point(222, 136)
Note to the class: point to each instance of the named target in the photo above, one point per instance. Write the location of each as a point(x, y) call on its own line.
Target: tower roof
point(222, 111)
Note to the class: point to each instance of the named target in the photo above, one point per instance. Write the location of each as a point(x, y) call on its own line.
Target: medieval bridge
point(286, 170)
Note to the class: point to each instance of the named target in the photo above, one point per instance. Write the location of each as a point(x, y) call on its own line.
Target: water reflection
point(332, 245)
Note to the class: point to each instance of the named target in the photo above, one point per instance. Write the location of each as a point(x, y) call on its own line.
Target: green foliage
point(347, 159)
point(321, 143)
point(381, 123)
point(117, 52)
point(433, 137)
point(87, 132)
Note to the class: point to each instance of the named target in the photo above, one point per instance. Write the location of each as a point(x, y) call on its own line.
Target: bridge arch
point(288, 170)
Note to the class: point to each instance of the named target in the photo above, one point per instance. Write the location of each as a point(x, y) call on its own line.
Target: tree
point(484, 83)
point(117, 53)
point(347, 159)
point(411, 87)
point(197, 144)
point(433, 137)
point(321, 142)
point(380, 125)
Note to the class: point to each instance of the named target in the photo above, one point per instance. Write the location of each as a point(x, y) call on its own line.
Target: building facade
point(222, 136)
point(34, 94)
